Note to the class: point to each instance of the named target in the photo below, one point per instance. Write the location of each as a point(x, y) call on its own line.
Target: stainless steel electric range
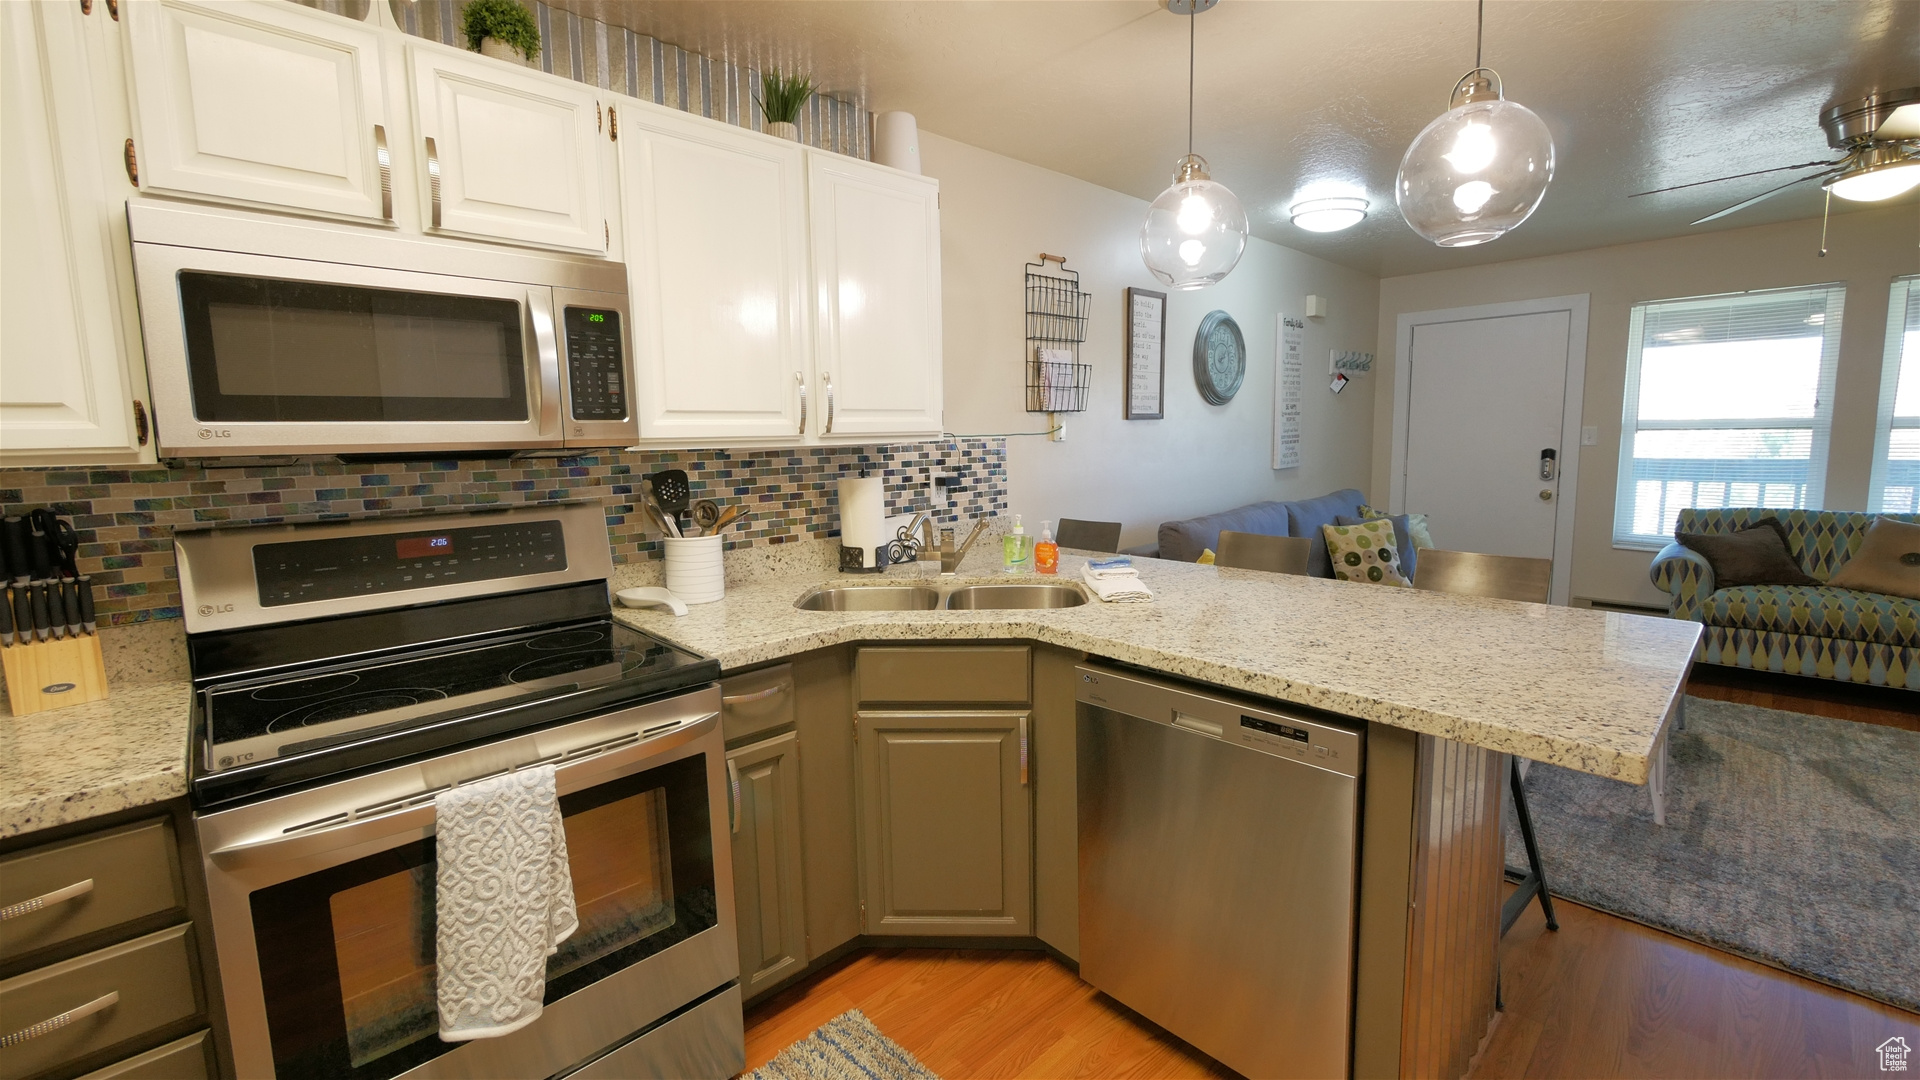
point(346, 673)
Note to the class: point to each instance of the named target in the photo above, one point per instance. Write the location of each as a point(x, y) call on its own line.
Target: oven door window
point(347, 953)
point(266, 350)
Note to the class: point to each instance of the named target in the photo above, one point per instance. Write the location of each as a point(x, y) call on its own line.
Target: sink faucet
point(949, 558)
point(921, 523)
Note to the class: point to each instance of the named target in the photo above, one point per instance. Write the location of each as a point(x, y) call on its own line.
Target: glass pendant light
point(1196, 230)
point(1479, 170)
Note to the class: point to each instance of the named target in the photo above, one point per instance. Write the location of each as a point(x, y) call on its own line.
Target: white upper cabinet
point(716, 251)
point(269, 104)
point(508, 154)
point(876, 266)
point(65, 391)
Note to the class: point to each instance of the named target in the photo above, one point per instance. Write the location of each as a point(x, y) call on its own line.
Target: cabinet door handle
point(801, 380)
point(46, 900)
point(828, 379)
point(381, 155)
point(759, 695)
point(1023, 751)
point(55, 1023)
point(433, 178)
point(733, 783)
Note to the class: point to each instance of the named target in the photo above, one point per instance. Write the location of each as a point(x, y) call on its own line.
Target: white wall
point(998, 214)
point(1867, 249)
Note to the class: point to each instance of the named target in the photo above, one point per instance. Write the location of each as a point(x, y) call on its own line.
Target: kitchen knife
point(70, 602)
point(86, 604)
point(22, 613)
point(6, 619)
point(13, 536)
point(39, 547)
point(42, 615)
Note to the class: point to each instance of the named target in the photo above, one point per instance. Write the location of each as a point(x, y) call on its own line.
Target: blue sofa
point(1184, 541)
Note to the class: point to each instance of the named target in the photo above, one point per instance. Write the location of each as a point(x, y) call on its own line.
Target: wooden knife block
point(54, 674)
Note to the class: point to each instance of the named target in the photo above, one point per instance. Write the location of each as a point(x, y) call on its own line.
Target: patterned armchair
point(1818, 630)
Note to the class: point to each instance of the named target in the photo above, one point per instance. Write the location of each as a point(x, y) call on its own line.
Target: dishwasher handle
point(1193, 723)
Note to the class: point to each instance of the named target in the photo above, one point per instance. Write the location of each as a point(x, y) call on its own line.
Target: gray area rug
point(1790, 839)
point(847, 1047)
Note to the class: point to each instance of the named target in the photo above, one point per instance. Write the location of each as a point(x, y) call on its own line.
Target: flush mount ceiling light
point(1479, 170)
point(1196, 230)
point(1328, 215)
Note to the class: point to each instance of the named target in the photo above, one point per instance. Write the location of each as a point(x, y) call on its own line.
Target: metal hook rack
point(1056, 323)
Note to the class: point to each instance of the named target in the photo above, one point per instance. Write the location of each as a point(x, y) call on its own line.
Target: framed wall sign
point(1146, 329)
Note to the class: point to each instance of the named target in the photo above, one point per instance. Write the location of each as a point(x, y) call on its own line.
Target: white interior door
point(264, 103)
point(1486, 395)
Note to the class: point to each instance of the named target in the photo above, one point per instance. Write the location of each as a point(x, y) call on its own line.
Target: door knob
point(1546, 494)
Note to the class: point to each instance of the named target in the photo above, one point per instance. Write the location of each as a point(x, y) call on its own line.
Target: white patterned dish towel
point(505, 901)
point(1116, 583)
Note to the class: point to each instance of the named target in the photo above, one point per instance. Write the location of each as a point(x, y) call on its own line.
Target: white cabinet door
point(64, 393)
point(876, 265)
point(264, 103)
point(507, 153)
point(717, 261)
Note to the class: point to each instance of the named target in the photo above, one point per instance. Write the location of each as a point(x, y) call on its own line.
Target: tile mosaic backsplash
point(126, 516)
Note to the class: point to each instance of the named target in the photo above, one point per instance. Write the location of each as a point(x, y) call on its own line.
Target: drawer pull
point(55, 1023)
point(760, 695)
point(45, 900)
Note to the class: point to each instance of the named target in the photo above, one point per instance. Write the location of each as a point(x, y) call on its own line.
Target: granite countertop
point(1587, 689)
point(128, 749)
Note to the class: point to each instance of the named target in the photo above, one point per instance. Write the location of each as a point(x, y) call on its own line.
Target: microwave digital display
point(596, 365)
point(421, 547)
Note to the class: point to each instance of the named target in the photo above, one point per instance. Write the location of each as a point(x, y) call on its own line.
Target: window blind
point(1729, 402)
point(1896, 441)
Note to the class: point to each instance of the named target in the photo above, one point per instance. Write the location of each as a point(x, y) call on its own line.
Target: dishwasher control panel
point(1281, 729)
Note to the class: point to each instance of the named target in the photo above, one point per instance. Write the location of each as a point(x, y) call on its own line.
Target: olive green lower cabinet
point(946, 822)
point(764, 782)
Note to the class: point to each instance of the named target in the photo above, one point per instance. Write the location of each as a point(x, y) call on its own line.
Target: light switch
point(1589, 436)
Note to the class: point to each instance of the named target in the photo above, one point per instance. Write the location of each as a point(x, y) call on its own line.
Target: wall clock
point(1219, 358)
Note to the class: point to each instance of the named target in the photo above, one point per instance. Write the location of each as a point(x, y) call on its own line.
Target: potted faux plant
point(501, 29)
point(781, 99)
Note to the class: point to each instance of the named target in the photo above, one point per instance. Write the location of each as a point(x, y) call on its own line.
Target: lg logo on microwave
point(215, 433)
point(208, 611)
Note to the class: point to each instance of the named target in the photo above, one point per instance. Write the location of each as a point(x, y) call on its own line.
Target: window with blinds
point(1729, 402)
point(1896, 443)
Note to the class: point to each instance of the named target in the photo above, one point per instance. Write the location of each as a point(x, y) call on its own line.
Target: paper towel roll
point(863, 515)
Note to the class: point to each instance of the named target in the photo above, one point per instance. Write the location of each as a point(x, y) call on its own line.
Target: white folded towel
point(1117, 586)
point(505, 901)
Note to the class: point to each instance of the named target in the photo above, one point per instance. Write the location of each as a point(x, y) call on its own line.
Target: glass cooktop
point(251, 722)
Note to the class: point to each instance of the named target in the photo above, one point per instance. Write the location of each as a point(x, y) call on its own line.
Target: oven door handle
point(415, 814)
point(547, 357)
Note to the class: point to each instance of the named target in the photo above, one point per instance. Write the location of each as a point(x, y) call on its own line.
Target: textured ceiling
point(1305, 97)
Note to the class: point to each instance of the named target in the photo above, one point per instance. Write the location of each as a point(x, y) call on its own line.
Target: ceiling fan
point(1880, 138)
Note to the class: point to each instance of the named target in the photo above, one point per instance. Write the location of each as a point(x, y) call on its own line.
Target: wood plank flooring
point(1881, 705)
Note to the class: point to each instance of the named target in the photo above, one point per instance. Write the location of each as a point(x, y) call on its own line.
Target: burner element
point(565, 664)
point(306, 688)
point(566, 640)
point(372, 701)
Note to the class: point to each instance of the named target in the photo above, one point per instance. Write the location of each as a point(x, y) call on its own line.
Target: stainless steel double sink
point(1005, 596)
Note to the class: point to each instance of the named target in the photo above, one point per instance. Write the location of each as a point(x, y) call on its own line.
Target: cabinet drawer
point(756, 701)
point(153, 976)
point(133, 871)
point(182, 1059)
point(970, 674)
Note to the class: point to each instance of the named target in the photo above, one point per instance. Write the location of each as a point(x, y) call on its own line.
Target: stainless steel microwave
point(277, 338)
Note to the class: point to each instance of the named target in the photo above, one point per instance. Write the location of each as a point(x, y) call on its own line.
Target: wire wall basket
point(1057, 381)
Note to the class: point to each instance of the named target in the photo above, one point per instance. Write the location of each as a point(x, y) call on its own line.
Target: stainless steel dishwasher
point(1219, 849)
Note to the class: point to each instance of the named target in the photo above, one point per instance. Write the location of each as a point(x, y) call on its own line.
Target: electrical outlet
point(1589, 436)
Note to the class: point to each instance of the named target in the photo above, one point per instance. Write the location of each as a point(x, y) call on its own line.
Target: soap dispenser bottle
point(1016, 557)
point(1046, 553)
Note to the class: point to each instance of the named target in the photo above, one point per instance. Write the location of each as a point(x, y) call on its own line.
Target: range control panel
point(328, 568)
point(596, 364)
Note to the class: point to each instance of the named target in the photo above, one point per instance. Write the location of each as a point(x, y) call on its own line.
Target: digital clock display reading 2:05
point(596, 316)
point(423, 547)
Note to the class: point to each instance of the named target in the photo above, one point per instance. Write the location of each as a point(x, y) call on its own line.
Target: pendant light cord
point(1193, 11)
point(1479, 34)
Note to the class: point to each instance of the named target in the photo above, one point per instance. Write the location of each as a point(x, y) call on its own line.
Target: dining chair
point(1088, 535)
point(1258, 551)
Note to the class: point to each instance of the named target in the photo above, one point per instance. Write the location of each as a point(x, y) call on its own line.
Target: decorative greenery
point(783, 96)
point(502, 20)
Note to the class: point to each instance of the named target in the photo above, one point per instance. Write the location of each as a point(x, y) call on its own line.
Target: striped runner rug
point(847, 1047)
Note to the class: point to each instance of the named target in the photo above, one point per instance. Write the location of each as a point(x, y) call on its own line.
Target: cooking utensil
point(86, 604)
point(39, 554)
point(6, 619)
point(70, 605)
point(705, 513)
point(728, 516)
point(23, 612)
point(651, 505)
point(670, 488)
point(42, 614)
point(13, 535)
point(62, 543)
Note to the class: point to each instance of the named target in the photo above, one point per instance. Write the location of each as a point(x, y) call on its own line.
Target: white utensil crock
point(694, 570)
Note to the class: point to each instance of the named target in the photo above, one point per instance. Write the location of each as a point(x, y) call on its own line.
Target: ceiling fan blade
point(1737, 176)
point(1762, 197)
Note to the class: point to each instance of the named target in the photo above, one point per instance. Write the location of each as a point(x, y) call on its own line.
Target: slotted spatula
point(670, 491)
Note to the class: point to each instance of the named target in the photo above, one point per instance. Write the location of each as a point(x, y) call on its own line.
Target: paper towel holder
point(853, 560)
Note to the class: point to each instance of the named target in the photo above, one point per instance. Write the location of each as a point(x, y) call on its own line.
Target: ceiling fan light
point(1880, 172)
point(1328, 215)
